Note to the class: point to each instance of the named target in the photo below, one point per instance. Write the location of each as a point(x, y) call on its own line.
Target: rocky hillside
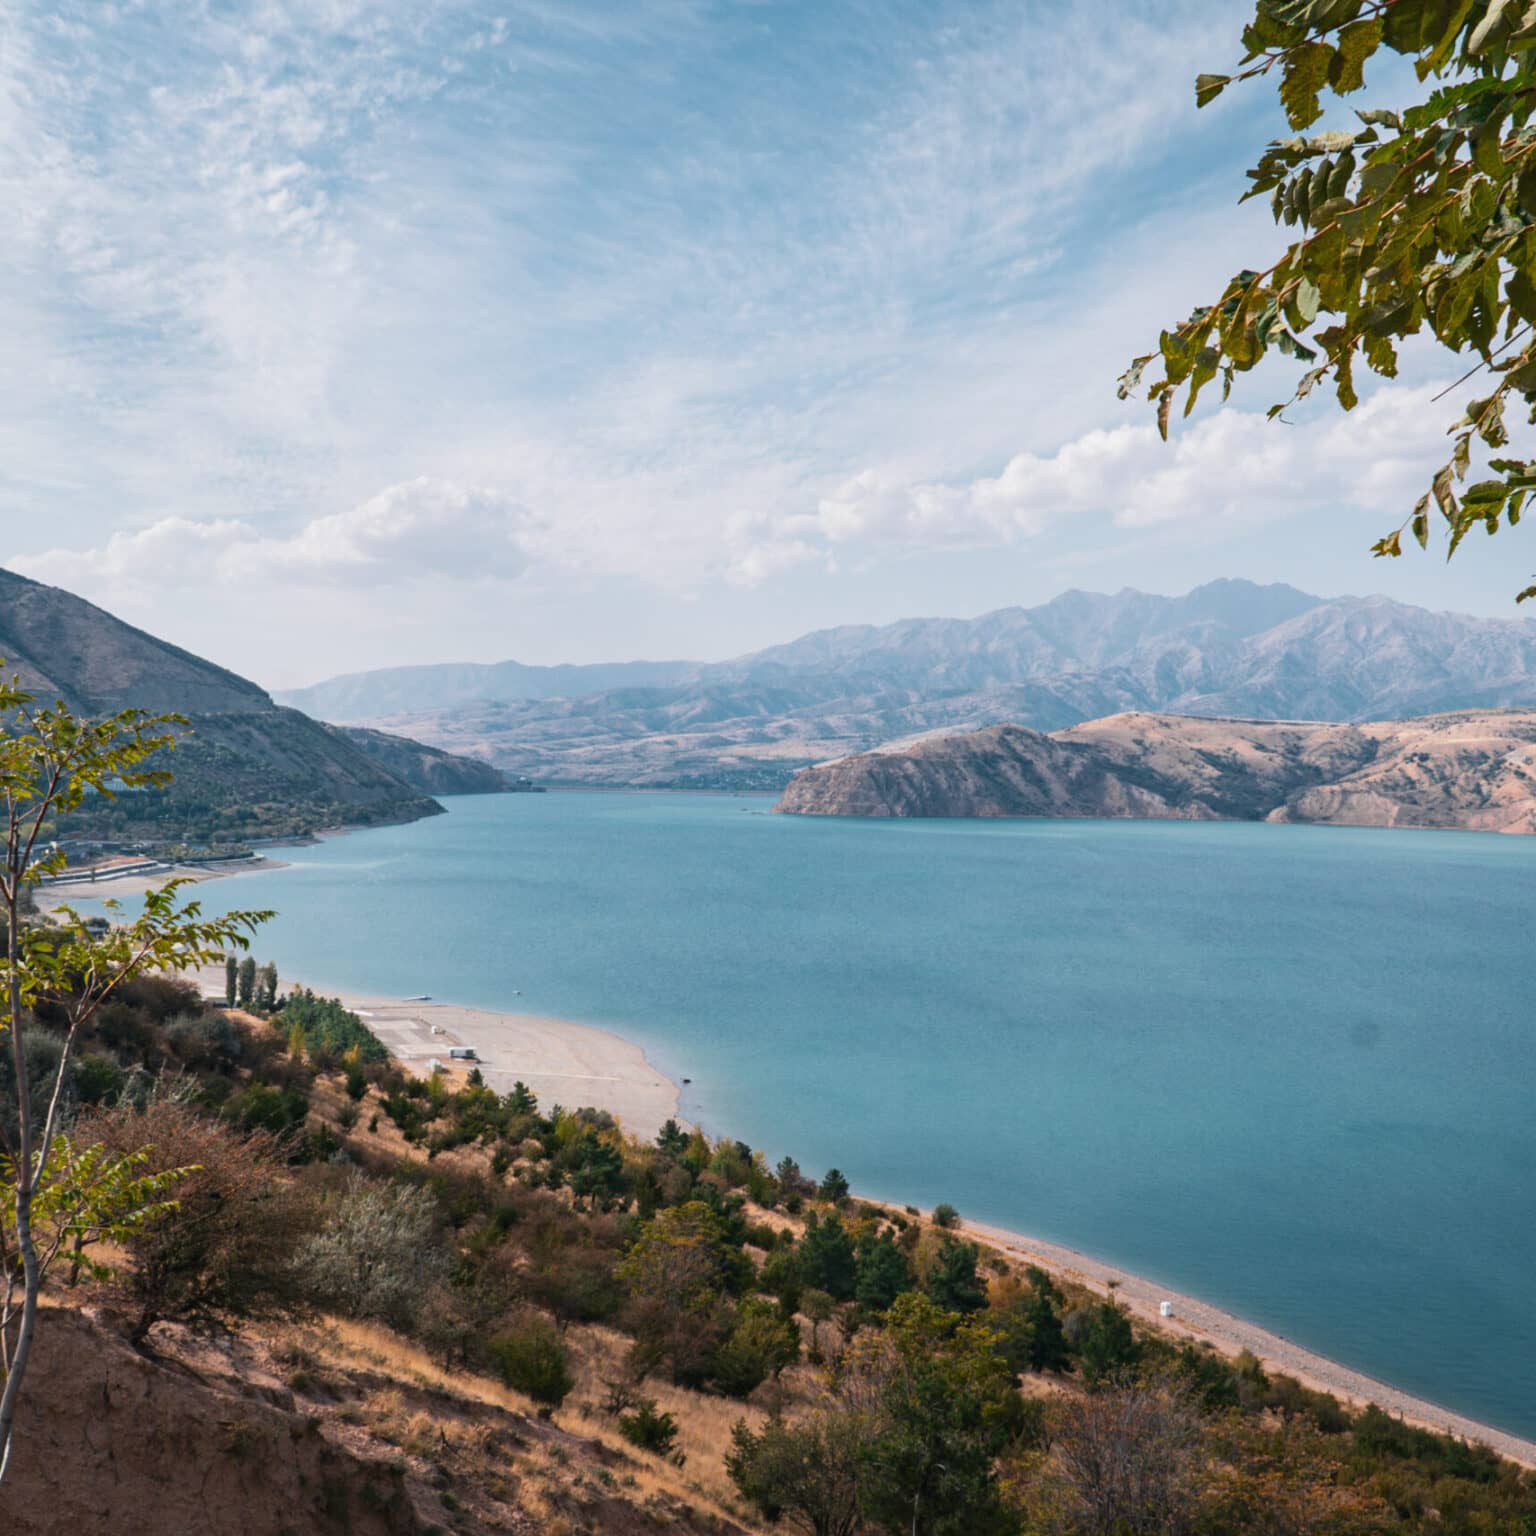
point(245, 766)
point(428, 770)
point(1230, 648)
point(1473, 769)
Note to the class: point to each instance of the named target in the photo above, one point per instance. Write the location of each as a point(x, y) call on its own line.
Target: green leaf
point(1308, 297)
point(1209, 87)
point(1356, 43)
point(1304, 76)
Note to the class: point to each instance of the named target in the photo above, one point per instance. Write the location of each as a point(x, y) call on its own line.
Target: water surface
point(1286, 1069)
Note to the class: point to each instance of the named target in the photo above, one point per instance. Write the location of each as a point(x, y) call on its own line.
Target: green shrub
point(946, 1216)
point(532, 1360)
point(98, 1079)
point(648, 1429)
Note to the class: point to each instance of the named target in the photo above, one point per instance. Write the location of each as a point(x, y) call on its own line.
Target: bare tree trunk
point(18, 1356)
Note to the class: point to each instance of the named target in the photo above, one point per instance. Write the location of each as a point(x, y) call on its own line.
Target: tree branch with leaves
point(55, 1197)
point(1419, 221)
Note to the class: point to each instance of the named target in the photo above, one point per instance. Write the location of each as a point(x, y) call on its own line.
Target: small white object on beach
point(1166, 1308)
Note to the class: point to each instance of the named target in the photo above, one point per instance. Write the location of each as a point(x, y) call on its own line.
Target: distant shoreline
point(1201, 1322)
point(585, 1065)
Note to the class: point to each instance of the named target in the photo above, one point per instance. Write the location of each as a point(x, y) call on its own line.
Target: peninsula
point(1472, 769)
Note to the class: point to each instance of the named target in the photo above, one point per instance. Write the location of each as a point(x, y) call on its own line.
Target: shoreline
point(604, 1070)
point(1202, 1322)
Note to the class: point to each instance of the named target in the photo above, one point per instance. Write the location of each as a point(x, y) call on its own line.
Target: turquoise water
point(1285, 1069)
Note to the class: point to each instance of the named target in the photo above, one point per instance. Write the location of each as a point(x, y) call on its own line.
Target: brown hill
point(245, 766)
point(1475, 769)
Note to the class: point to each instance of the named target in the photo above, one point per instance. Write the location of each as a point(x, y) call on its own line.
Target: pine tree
point(954, 1283)
point(882, 1273)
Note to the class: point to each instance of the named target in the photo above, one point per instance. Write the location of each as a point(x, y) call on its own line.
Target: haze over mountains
point(1230, 648)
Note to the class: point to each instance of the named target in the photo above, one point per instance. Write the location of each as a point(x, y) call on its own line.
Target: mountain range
point(244, 766)
point(1229, 648)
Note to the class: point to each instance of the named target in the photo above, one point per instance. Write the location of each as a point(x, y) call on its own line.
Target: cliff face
point(1475, 770)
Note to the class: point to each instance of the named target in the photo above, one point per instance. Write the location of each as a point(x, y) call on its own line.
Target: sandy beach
point(577, 1065)
point(566, 1063)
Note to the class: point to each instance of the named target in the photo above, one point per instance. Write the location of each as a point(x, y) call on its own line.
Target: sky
point(343, 334)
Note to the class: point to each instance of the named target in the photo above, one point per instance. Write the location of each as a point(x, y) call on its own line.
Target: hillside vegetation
point(463, 1311)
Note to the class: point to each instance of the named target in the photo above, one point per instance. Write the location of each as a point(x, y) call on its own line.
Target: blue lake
point(1286, 1069)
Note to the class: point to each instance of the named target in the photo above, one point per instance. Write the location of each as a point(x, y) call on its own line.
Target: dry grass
point(578, 1451)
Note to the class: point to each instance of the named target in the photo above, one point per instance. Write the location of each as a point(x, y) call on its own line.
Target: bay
point(1286, 1069)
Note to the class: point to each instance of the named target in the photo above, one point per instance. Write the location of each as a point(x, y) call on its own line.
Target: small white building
point(1166, 1308)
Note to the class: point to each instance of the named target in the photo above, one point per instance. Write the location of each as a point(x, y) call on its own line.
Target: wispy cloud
point(722, 292)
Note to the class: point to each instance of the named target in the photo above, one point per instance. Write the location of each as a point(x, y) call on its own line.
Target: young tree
point(1418, 220)
point(267, 988)
point(1045, 1348)
point(247, 986)
point(377, 1253)
point(953, 1282)
point(827, 1258)
point(820, 1308)
point(943, 1407)
point(882, 1272)
point(1103, 1339)
point(231, 980)
point(761, 1344)
point(521, 1100)
point(49, 762)
point(1127, 1459)
point(681, 1258)
point(834, 1187)
point(224, 1246)
point(806, 1474)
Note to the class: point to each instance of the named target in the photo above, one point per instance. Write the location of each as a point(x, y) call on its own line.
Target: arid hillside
point(244, 766)
point(1475, 770)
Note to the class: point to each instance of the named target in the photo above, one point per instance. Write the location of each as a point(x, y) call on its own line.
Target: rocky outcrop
point(1474, 769)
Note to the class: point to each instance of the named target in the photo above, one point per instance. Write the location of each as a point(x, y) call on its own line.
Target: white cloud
point(419, 530)
point(1231, 468)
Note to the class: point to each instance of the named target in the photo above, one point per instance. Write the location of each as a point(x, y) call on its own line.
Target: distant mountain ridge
point(1472, 769)
point(246, 766)
point(355, 697)
point(1229, 648)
